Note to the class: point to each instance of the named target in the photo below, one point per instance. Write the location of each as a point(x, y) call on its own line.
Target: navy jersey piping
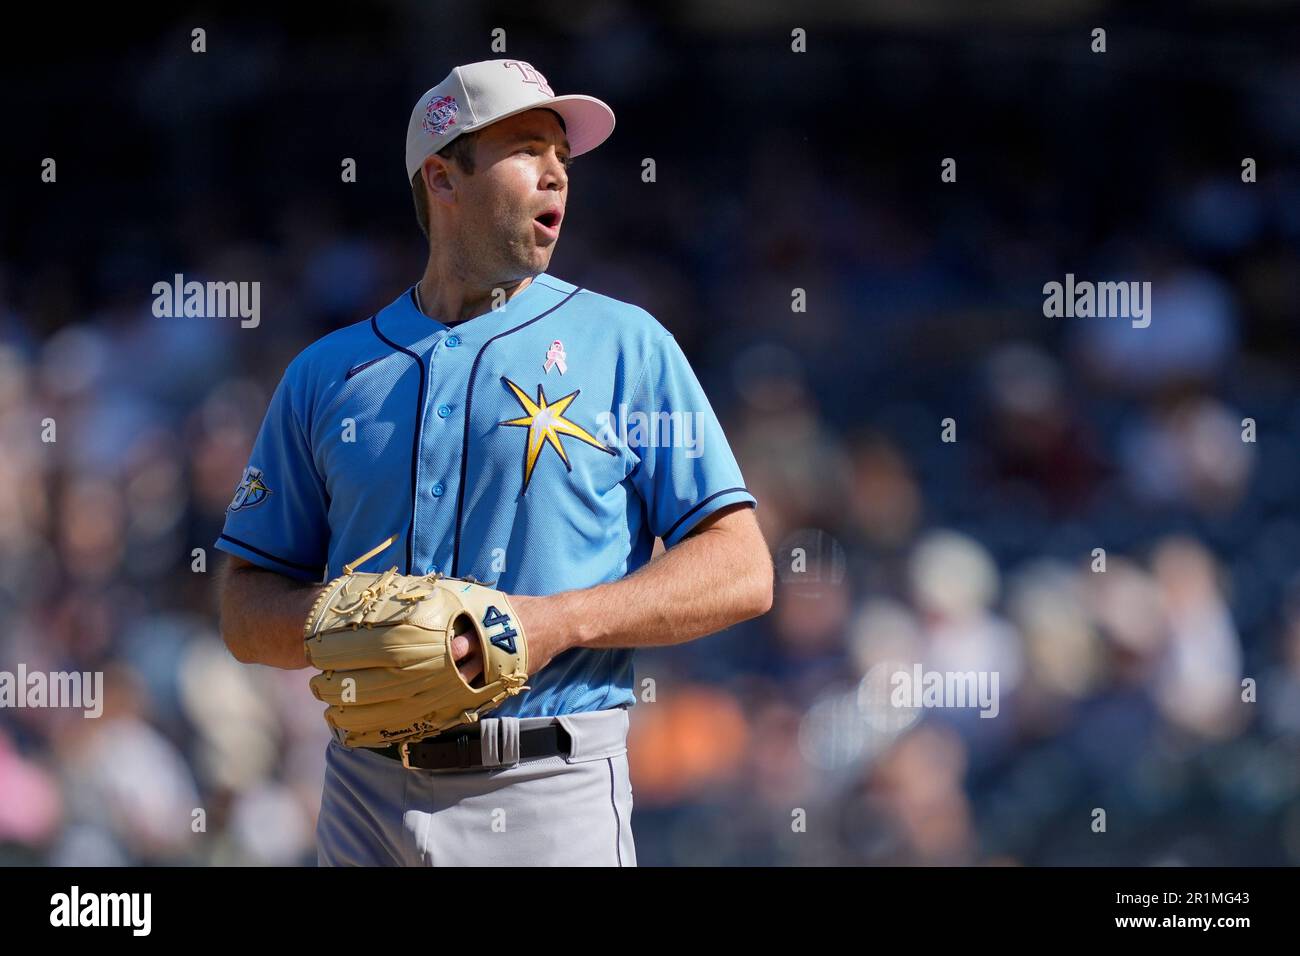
point(318, 571)
point(464, 448)
point(415, 440)
point(717, 494)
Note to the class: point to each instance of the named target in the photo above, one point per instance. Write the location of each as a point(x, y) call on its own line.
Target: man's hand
point(469, 658)
point(537, 616)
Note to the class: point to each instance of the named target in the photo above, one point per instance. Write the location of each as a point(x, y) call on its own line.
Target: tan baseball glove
point(383, 645)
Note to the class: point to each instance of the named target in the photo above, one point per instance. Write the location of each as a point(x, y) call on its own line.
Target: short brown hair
point(461, 151)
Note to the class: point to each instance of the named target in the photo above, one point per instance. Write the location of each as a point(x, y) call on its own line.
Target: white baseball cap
point(476, 94)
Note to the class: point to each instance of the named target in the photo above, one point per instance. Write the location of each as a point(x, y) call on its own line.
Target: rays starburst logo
point(546, 423)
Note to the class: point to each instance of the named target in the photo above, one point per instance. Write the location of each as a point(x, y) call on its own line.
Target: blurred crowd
point(1113, 527)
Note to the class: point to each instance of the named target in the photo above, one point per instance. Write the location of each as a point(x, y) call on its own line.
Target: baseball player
point(451, 507)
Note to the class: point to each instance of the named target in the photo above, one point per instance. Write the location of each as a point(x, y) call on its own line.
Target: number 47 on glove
point(383, 645)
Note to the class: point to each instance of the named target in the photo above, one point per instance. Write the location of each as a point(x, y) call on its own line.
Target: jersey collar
point(404, 324)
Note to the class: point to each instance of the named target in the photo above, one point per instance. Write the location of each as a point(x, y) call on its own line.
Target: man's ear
point(439, 180)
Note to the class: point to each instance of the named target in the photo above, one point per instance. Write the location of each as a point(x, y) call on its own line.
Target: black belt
point(463, 748)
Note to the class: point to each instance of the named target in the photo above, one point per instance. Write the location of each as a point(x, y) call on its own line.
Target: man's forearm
point(705, 584)
point(262, 615)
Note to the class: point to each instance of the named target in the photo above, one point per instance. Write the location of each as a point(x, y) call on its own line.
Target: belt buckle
point(404, 751)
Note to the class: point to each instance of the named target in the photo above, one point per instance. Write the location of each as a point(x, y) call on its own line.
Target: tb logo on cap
point(530, 75)
point(440, 114)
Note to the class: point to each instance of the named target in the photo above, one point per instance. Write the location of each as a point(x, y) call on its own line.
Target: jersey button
point(438, 489)
point(453, 341)
point(444, 411)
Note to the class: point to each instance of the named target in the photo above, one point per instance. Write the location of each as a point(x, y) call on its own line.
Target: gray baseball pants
point(570, 810)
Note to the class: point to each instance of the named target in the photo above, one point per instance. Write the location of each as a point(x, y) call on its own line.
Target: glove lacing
point(369, 597)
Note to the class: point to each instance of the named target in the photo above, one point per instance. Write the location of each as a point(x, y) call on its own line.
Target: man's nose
point(557, 175)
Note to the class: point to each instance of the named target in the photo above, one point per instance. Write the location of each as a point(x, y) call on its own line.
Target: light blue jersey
point(542, 446)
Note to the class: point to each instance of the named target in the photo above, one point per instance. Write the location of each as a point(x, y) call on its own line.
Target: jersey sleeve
point(686, 470)
point(278, 518)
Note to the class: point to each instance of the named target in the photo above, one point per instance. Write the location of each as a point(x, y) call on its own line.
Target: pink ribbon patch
point(555, 357)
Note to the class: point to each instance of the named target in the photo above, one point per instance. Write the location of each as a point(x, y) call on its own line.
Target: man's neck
point(451, 301)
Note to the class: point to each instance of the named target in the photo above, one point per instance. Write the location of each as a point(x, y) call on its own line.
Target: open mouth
point(550, 219)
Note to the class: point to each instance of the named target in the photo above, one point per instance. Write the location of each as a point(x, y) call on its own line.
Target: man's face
point(509, 210)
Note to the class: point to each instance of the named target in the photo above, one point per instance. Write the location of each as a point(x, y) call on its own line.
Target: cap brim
point(587, 120)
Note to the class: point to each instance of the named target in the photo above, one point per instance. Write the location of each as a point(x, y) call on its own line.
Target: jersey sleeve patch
point(251, 492)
